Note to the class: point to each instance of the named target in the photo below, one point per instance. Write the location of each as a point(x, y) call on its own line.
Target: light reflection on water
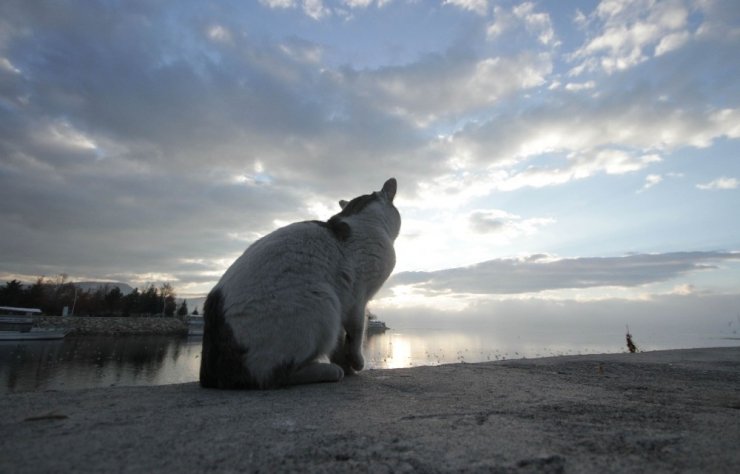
point(86, 362)
point(416, 347)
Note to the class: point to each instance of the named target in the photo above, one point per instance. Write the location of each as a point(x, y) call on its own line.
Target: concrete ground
point(666, 411)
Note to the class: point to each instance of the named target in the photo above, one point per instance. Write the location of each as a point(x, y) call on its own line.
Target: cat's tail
point(222, 358)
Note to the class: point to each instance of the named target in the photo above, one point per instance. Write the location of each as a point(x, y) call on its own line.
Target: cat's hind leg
point(316, 372)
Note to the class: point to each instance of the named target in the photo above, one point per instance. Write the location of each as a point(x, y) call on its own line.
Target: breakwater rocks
point(113, 326)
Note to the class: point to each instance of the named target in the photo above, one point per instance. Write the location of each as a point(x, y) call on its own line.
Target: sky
point(548, 154)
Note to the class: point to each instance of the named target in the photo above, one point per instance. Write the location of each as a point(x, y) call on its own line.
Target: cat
point(297, 296)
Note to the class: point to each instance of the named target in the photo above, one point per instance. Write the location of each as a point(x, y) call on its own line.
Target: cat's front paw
point(357, 361)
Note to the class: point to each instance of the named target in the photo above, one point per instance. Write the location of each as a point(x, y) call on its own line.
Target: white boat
point(16, 324)
point(374, 325)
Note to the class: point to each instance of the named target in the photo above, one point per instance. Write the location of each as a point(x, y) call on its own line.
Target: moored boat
point(16, 324)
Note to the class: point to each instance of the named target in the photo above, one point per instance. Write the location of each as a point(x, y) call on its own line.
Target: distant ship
point(375, 325)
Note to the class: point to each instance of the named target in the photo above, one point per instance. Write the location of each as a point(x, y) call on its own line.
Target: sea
point(107, 361)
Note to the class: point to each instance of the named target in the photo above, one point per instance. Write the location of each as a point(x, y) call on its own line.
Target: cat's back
point(294, 254)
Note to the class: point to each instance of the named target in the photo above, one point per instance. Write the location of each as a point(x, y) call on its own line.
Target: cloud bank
point(539, 273)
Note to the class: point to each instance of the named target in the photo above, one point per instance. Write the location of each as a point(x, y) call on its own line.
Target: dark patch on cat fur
point(338, 228)
point(221, 362)
point(341, 230)
point(222, 359)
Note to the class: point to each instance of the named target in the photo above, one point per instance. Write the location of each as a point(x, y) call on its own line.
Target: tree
point(52, 295)
point(11, 294)
point(150, 302)
point(131, 303)
point(170, 304)
point(113, 300)
point(35, 296)
point(182, 311)
point(64, 296)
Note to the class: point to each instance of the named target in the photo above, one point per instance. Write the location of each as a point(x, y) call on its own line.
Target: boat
point(195, 326)
point(374, 325)
point(16, 324)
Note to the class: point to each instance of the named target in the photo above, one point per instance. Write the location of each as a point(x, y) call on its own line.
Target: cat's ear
point(389, 189)
point(343, 203)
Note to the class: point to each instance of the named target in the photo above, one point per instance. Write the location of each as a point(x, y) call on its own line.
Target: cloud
point(625, 34)
point(524, 16)
point(672, 41)
point(650, 181)
point(101, 226)
point(539, 273)
point(279, 3)
point(537, 22)
point(136, 138)
point(578, 167)
point(160, 141)
point(456, 187)
point(318, 9)
point(720, 183)
point(312, 8)
point(199, 99)
point(494, 221)
point(478, 6)
point(624, 133)
point(447, 85)
point(721, 20)
point(579, 86)
point(7, 66)
point(220, 34)
point(315, 9)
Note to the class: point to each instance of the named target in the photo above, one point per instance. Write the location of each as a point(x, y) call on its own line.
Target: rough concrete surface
point(668, 411)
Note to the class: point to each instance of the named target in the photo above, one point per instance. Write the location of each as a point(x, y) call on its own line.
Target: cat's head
point(375, 207)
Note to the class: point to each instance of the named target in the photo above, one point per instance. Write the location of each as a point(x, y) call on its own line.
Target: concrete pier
point(667, 411)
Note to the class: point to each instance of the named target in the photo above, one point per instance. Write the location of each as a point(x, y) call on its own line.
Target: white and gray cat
point(298, 295)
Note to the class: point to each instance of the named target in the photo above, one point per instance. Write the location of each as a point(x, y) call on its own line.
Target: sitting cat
point(299, 294)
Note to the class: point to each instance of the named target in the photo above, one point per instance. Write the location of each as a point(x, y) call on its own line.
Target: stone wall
point(113, 326)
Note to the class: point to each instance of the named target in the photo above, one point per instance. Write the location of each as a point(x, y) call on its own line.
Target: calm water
point(85, 362)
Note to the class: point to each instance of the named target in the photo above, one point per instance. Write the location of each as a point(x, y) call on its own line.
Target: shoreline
point(662, 411)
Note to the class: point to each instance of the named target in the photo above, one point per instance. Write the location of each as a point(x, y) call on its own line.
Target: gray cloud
point(494, 221)
point(537, 273)
point(444, 86)
point(485, 223)
point(123, 134)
